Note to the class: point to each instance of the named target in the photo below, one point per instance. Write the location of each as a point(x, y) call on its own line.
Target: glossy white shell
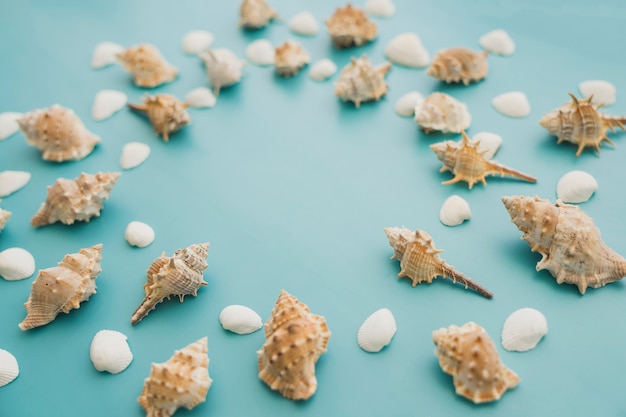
point(380, 8)
point(8, 124)
point(602, 91)
point(107, 103)
point(200, 97)
point(407, 50)
point(304, 24)
point(240, 319)
point(260, 52)
point(104, 54)
point(9, 369)
point(322, 70)
point(405, 106)
point(454, 211)
point(576, 187)
point(110, 352)
point(489, 143)
point(512, 104)
point(497, 42)
point(377, 331)
point(139, 234)
point(11, 181)
point(134, 154)
point(523, 329)
point(16, 264)
point(197, 41)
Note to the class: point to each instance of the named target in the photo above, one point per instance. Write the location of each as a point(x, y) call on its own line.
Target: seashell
point(147, 66)
point(4, 218)
point(105, 54)
point(75, 200)
point(16, 264)
point(377, 331)
point(420, 260)
point(240, 319)
point(9, 368)
point(405, 106)
point(349, 26)
point(359, 81)
point(260, 52)
point(58, 133)
point(200, 97)
point(180, 274)
point(380, 8)
point(488, 144)
point(512, 104)
point(576, 187)
point(454, 211)
point(304, 24)
point(322, 70)
point(109, 351)
point(523, 329)
point(11, 181)
point(289, 58)
point(407, 50)
point(255, 14)
point(295, 339)
point(470, 356)
point(166, 113)
point(569, 242)
point(9, 124)
point(442, 112)
point(107, 103)
point(134, 154)
point(459, 65)
point(182, 381)
point(223, 68)
point(602, 91)
point(197, 41)
point(497, 42)
point(139, 234)
point(63, 287)
point(465, 162)
point(580, 123)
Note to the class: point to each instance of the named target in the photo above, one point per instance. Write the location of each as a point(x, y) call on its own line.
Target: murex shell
point(349, 26)
point(63, 287)
point(359, 81)
point(181, 381)
point(147, 65)
point(180, 274)
point(223, 68)
point(295, 340)
point(442, 112)
point(75, 200)
point(459, 65)
point(255, 14)
point(470, 356)
point(4, 218)
point(289, 58)
point(58, 133)
point(420, 260)
point(167, 114)
point(110, 352)
point(569, 242)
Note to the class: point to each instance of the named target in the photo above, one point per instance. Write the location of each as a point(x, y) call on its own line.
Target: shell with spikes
point(167, 114)
point(349, 27)
point(147, 66)
point(360, 81)
point(459, 65)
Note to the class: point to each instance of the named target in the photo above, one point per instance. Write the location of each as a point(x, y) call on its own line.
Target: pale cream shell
point(11, 181)
point(260, 52)
point(523, 330)
point(380, 8)
point(107, 103)
point(134, 154)
point(406, 49)
point(377, 331)
point(454, 211)
point(109, 351)
point(602, 91)
point(304, 24)
point(405, 106)
point(512, 104)
point(105, 54)
point(200, 98)
point(8, 124)
point(442, 112)
point(576, 187)
point(489, 144)
point(9, 368)
point(16, 264)
point(497, 42)
point(322, 70)
point(197, 41)
point(139, 234)
point(240, 319)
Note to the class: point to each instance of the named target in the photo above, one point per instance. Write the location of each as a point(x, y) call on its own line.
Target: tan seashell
point(180, 274)
point(147, 65)
point(568, 240)
point(166, 113)
point(58, 133)
point(223, 68)
point(63, 287)
point(359, 81)
point(290, 58)
point(295, 340)
point(349, 26)
point(75, 200)
point(182, 381)
point(420, 261)
point(442, 112)
point(580, 123)
point(255, 14)
point(4, 218)
point(470, 356)
point(459, 65)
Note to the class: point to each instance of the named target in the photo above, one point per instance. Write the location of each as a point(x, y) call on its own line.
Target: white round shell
point(139, 234)
point(576, 187)
point(602, 91)
point(407, 50)
point(489, 144)
point(200, 97)
point(512, 104)
point(16, 264)
point(134, 154)
point(110, 352)
point(380, 8)
point(377, 331)
point(405, 106)
point(304, 24)
point(240, 319)
point(523, 329)
point(260, 52)
point(454, 211)
point(9, 368)
point(104, 54)
point(8, 124)
point(11, 181)
point(322, 70)
point(107, 103)
point(197, 41)
point(497, 42)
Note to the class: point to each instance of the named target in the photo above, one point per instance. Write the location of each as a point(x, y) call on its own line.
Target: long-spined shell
point(75, 200)
point(63, 287)
point(349, 26)
point(442, 112)
point(58, 133)
point(580, 123)
point(459, 65)
point(167, 114)
point(420, 260)
point(4, 218)
point(180, 275)
point(255, 14)
point(467, 163)
point(359, 81)
point(147, 65)
point(109, 351)
point(568, 240)
point(295, 340)
point(182, 381)
point(289, 58)
point(470, 356)
point(223, 68)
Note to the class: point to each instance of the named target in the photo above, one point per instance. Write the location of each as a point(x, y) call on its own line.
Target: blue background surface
point(293, 188)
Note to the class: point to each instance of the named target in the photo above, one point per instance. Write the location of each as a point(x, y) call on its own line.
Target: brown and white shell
point(349, 26)
point(568, 240)
point(181, 381)
point(58, 133)
point(4, 218)
point(442, 112)
point(179, 275)
point(167, 114)
point(147, 65)
point(466, 162)
point(223, 68)
point(459, 65)
point(580, 123)
point(255, 14)
point(79, 199)
point(290, 58)
point(470, 356)
point(359, 81)
point(420, 260)
point(63, 287)
point(295, 339)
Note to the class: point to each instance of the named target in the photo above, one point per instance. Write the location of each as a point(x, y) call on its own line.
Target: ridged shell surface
point(576, 187)
point(109, 351)
point(16, 264)
point(442, 112)
point(9, 368)
point(459, 65)
point(349, 26)
point(523, 329)
point(255, 14)
point(240, 319)
point(147, 66)
point(167, 114)
point(223, 68)
point(377, 331)
point(359, 81)
point(289, 58)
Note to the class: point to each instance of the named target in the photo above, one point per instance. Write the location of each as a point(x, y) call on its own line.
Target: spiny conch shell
point(167, 114)
point(109, 351)
point(182, 381)
point(580, 123)
point(454, 211)
point(63, 287)
point(349, 26)
point(523, 329)
point(442, 112)
point(377, 331)
point(4, 218)
point(568, 240)
point(240, 319)
point(467, 164)
point(147, 65)
point(295, 340)
point(289, 58)
point(223, 68)
point(11, 181)
point(420, 260)
point(58, 133)
point(470, 356)
point(255, 14)
point(459, 65)
point(576, 187)
point(9, 368)
point(79, 199)
point(359, 81)
point(180, 274)
point(16, 264)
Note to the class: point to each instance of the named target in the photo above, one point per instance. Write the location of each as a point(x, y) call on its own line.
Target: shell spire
point(147, 65)
point(459, 65)
point(167, 114)
point(360, 81)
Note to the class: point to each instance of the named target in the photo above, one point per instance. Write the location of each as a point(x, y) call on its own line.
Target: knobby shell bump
point(147, 66)
point(167, 114)
point(349, 26)
point(255, 14)
point(442, 112)
point(359, 81)
point(290, 58)
point(459, 65)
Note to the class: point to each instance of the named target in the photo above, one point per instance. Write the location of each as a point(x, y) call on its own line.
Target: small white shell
point(11, 181)
point(16, 264)
point(454, 211)
point(489, 143)
point(602, 91)
point(8, 124)
point(107, 103)
point(405, 106)
point(380, 8)
point(304, 24)
point(240, 319)
point(576, 187)
point(260, 52)
point(512, 104)
point(407, 50)
point(9, 369)
point(322, 70)
point(200, 97)
point(377, 331)
point(104, 54)
point(523, 329)
point(139, 234)
point(110, 352)
point(197, 41)
point(134, 154)
point(497, 42)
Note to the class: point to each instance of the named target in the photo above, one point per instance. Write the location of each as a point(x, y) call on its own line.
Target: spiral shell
point(255, 14)
point(289, 58)
point(223, 68)
point(442, 112)
point(459, 65)
point(359, 81)
point(349, 26)
point(147, 65)
point(167, 114)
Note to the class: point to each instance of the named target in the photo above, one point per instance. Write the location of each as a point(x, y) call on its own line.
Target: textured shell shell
point(147, 66)
point(360, 81)
point(349, 26)
point(459, 65)
point(167, 114)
